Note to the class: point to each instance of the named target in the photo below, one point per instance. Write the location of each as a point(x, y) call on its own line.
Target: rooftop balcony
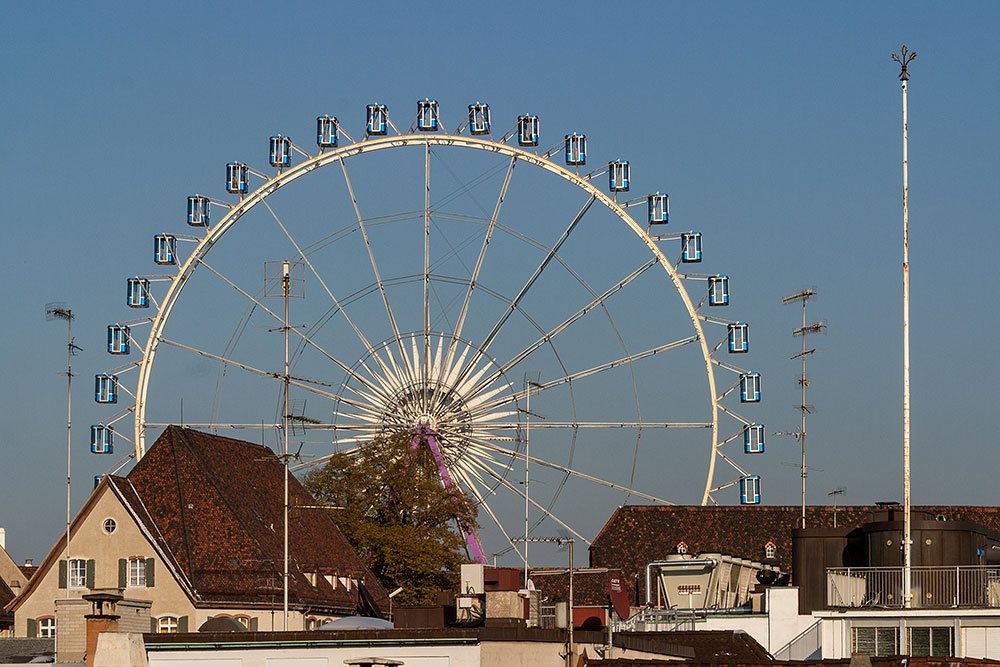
point(932, 586)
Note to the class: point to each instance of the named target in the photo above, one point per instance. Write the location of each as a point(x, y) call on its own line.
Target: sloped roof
point(215, 507)
point(590, 589)
point(638, 534)
point(710, 646)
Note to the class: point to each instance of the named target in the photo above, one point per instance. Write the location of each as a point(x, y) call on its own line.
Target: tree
point(397, 514)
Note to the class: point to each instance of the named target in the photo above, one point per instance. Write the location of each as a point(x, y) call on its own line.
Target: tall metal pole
point(527, 459)
point(569, 656)
point(285, 285)
point(802, 426)
point(804, 408)
point(903, 58)
point(58, 312)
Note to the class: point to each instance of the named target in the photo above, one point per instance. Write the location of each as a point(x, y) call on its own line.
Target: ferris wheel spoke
point(562, 326)
point(375, 270)
point(518, 492)
point(305, 338)
point(460, 322)
point(521, 456)
point(464, 474)
point(312, 269)
point(481, 349)
point(426, 374)
point(308, 385)
point(513, 426)
point(517, 396)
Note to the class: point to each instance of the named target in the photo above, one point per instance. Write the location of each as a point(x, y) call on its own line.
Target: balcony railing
point(932, 586)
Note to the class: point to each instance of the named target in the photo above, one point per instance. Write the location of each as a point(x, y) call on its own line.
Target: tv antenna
point(59, 311)
point(836, 492)
point(803, 407)
point(289, 278)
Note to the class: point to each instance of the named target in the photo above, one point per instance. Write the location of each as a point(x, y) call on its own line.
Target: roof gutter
point(663, 564)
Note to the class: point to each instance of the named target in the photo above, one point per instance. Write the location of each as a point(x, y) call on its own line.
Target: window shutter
point(150, 570)
point(182, 624)
point(153, 624)
point(33, 624)
point(253, 624)
point(90, 573)
point(62, 574)
point(122, 573)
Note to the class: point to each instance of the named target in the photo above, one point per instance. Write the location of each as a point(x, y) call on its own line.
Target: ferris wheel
point(497, 301)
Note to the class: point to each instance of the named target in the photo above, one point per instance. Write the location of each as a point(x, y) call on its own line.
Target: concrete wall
point(412, 656)
point(976, 631)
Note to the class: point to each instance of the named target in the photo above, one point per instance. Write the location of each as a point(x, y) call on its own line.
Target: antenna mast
point(60, 312)
point(903, 58)
point(803, 407)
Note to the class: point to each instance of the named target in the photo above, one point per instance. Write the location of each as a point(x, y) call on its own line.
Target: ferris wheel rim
point(342, 153)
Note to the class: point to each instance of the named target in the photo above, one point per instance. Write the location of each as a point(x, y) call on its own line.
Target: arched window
point(682, 548)
point(770, 550)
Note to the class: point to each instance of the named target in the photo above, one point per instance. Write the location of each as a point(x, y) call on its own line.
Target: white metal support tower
point(903, 58)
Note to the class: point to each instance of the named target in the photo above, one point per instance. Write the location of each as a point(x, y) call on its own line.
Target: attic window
point(682, 548)
point(330, 580)
point(109, 526)
point(770, 550)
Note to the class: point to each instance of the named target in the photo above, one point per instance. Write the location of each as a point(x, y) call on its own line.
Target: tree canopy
point(397, 514)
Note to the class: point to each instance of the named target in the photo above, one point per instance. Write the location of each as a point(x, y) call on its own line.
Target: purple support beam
point(427, 434)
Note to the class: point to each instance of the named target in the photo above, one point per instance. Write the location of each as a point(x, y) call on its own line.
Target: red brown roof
point(214, 505)
point(638, 534)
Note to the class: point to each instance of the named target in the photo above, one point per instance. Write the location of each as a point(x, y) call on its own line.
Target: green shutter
point(62, 574)
point(182, 624)
point(150, 572)
point(153, 624)
point(33, 624)
point(122, 573)
point(90, 573)
point(253, 624)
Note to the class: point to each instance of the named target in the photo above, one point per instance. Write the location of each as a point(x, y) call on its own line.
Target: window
point(137, 572)
point(930, 642)
point(47, 628)
point(875, 641)
point(109, 526)
point(770, 550)
point(77, 574)
point(682, 548)
point(166, 624)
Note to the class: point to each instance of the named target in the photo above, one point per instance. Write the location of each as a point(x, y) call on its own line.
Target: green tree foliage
point(398, 515)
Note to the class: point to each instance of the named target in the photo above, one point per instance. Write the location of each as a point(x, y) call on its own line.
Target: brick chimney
point(102, 618)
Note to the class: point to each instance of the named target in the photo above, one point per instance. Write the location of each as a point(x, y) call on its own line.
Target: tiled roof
point(709, 646)
point(215, 506)
point(638, 534)
point(590, 589)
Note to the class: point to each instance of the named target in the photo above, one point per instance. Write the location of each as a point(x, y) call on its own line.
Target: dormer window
point(770, 550)
point(682, 548)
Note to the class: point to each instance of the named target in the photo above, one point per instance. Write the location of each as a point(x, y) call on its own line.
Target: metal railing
point(932, 586)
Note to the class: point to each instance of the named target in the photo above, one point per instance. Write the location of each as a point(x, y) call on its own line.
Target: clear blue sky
point(775, 127)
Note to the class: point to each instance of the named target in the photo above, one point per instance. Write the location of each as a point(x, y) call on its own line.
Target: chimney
point(27, 562)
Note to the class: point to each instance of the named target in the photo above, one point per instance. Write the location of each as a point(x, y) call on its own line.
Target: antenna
point(280, 274)
point(836, 492)
point(803, 407)
point(904, 58)
point(530, 384)
point(59, 311)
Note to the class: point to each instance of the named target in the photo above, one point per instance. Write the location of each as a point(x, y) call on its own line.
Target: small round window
point(109, 526)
